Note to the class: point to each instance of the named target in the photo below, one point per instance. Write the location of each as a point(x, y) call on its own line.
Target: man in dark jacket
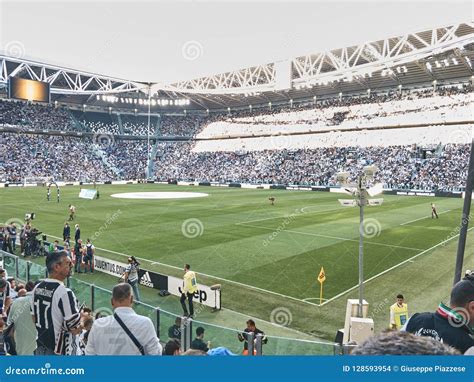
point(66, 231)
point(77, 234)
point(453, 324)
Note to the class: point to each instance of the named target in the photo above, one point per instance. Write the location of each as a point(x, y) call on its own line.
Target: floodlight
point(342, 177)
point(375, 190)
point(375, 202)
point(370, 171)
point(347, 202)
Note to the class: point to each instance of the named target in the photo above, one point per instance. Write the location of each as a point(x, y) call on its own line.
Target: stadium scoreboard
point(29, 90)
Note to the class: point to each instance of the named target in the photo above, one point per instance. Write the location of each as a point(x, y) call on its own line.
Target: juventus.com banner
point(205, 295)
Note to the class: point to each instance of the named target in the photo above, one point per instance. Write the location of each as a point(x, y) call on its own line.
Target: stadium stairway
point(103, 156)
point(118, 119)
point(79, 126)
point(151, 162)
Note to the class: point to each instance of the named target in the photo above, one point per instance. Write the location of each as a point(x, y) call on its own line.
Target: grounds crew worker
point(189, 288)
point(398, 313)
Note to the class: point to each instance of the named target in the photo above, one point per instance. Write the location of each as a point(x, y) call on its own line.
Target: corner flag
point(321, 279)
point(322, 276)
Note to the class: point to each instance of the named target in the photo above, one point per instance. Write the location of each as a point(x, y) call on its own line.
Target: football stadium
point(297, 207)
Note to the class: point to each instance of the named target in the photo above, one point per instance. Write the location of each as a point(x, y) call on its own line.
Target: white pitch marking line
point(411, 259)
point(259, 220)
point(287, 216)
point(204, 274)
point(424, 217)
point(334, 237)
point(313, 298)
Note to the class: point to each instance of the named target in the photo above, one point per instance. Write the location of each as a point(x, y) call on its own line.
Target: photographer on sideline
point(130, 276)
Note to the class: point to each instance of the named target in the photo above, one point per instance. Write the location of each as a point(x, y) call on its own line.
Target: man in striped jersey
point(54, 308)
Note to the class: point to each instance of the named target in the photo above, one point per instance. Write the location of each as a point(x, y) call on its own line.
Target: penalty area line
point(424, 217)
point(332, 237)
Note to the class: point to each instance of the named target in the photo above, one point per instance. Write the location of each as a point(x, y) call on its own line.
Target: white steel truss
point(256, 79)
point(348, 63)
point(63, 80)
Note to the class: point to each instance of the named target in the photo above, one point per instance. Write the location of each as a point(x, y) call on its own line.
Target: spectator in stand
point(5, 294)
point(172, 347)
point(401, 343)
point(24, 330)
point(198, 343)
point(124, 332)
point(13, 286)
point(55, 311)
point(174, 331)
point(451, 325)
point(243, 337)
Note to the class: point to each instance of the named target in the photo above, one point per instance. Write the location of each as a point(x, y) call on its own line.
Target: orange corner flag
point(322, 276)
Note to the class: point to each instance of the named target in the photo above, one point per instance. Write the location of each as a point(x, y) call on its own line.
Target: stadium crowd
point(129, 157)
point(399, 166)
point(67, 159)
point(98, 127)
point(58, 157)
point(35, 116)
point(314, 160)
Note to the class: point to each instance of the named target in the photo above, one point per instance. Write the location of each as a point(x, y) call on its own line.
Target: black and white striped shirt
point(132, 271)
point(4, 295)
point(56, 312)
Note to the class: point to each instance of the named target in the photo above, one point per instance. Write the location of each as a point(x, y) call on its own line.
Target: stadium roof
point(438, 54)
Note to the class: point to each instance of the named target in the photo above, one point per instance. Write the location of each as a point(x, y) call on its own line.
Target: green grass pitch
point(266, 256)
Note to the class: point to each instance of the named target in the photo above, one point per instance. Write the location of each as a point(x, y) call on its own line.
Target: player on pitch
point(433, 211)
point(72, 212)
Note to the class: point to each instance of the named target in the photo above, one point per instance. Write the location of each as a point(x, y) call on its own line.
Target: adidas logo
point(146, 280)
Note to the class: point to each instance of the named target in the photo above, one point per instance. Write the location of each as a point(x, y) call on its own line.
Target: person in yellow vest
point(398, 313)
point(189, 288)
